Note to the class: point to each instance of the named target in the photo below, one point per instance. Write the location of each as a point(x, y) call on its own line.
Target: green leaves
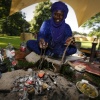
point(42, 12)
point(92, 22)
point(4, 8)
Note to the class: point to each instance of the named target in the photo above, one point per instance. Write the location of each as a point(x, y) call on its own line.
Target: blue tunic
point(54, 47)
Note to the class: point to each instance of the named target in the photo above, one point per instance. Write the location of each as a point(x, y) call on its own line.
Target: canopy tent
point(84, 9)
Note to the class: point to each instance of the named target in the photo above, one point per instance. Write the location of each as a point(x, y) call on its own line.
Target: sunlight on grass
point(2, 43)
point(87, 44)
point(14, 40)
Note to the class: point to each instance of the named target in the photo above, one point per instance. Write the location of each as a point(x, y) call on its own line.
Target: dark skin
point(58, 17)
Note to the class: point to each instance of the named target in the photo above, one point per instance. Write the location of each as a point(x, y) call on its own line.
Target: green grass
point(14, 40)
point(87, 44)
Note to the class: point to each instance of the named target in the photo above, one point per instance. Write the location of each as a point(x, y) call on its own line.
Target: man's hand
point(70, 40)
point(43, 44)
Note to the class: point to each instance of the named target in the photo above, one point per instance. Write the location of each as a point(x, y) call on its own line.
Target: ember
point(34, 83)
point(48, 85)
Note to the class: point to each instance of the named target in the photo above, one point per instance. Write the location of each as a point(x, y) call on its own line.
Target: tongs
point(64, 53)
point(42, 58)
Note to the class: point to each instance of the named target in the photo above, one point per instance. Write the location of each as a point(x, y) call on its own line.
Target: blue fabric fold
point(55, 34)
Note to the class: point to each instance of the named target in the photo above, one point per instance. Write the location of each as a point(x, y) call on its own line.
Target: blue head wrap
point(57, 29)
point(60, 6)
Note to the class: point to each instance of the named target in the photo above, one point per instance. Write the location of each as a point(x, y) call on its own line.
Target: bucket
point(26, 36)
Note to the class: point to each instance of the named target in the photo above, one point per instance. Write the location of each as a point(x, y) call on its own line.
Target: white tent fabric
point(84, 9)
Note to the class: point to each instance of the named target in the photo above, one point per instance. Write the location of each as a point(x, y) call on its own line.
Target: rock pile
point(59, 87)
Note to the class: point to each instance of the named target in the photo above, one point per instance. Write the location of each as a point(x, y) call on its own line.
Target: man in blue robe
point(54, 34)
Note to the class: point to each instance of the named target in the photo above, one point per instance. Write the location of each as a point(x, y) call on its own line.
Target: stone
point(62, 90)
point(7, 79)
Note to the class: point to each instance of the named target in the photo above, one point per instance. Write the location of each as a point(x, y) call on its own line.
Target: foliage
point(23, 64)
point(94, 33)
point(14, 24)
point(95, 78)
point(4, 8)
point(68, 72)
point(78, 33)
point(42, 12)
point(93, 23)
point(4, 11)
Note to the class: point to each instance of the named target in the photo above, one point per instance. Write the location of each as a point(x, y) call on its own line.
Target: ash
point(51, 86)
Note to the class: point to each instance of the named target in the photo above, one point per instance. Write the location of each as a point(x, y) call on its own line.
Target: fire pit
point(44, 84)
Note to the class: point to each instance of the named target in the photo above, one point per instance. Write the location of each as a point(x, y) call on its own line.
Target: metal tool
point(55, 83)
point(42, 55)
point(42, 58)
point(64, 53)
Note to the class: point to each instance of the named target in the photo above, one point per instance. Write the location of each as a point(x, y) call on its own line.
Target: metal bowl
point(87, 89)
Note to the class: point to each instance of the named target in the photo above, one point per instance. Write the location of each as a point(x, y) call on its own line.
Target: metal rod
point(42, 57)
point(93, 50)
point(64, 53)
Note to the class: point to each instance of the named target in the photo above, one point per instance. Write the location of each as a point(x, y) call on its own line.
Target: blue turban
point(60, 6)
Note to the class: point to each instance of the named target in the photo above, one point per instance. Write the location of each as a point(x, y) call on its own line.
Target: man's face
point(58, 16)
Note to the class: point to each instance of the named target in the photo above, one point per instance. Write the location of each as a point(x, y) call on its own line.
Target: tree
point(15, 24)
point(4, 11)
point(93, 23)
point(4, 8)
point(42, 12)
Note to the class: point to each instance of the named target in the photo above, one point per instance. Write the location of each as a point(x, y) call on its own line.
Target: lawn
point(87, 44)
point(15, 41)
